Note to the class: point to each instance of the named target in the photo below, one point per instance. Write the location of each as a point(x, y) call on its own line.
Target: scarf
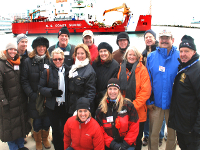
point(128, 86)
point(67, 48)
point(61, 85)
point(78, 64)
point(38, 58)
point(12, 61)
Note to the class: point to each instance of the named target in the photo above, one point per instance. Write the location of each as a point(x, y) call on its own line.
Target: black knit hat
point(104, 45)
point(83, 103)
point(122, 35)
point(150, 31)
point(40, 41)
point(113, 82)
point(187, 41)
point(63, 30)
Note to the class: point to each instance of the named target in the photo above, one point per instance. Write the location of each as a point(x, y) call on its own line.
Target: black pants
point(139, 137)
point(188, 142)
point(58, 117)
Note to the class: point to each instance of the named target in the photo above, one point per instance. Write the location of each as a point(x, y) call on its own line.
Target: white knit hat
point(20, 37)
point(11, 45)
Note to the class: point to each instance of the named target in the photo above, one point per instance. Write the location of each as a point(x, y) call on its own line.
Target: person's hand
point(124, 145)
point(115, 146)
point(56, 93)
point(6, 108)
point(151, 107)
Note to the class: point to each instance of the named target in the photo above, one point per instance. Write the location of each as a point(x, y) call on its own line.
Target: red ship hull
point(77, 26)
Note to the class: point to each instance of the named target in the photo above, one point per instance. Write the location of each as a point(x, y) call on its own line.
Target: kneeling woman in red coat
point(82, 131)
point(118, 119)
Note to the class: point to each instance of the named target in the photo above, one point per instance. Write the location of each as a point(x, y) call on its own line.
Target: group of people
point(98, 99)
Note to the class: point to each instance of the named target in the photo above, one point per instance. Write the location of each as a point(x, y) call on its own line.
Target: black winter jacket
point(82, 85)
point(45, 89)
point(31, 73)
point(184, 113)
point(68, 58)
point(13, 122)
point(104, 72)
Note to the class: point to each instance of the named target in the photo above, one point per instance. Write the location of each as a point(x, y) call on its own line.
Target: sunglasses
point(58, 59)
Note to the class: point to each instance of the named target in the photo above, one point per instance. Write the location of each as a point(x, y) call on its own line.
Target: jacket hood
point(2, 55)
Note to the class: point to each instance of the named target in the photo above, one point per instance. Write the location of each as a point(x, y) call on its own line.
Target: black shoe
point(23, 148)
point(160, 142)
point(145, 141)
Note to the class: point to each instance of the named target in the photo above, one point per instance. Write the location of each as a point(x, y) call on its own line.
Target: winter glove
point(56, 93)
point(6, 108)
point(125, 145)
point(115, 146)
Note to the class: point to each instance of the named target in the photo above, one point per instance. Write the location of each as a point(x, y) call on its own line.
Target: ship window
point(144, 23)
point(70, 10)
point(61, 5)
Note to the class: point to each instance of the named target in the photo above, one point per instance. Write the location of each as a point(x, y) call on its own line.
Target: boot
point(45, 140)
point(38, 139)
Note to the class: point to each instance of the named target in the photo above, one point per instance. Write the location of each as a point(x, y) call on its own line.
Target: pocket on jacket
point(79, 81)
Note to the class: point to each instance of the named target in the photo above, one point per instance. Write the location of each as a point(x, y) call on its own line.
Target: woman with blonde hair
point(55, 92)
point(118, 119)
point(81, 78)
point(135, 85)
point(33, 67)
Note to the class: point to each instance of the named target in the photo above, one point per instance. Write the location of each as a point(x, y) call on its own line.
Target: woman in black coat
point(14, 125)
point(55, 92)
point(106, 68)
point(37, 62)
point(81, 78)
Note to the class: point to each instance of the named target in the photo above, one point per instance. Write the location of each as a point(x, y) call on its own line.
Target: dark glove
point(6, 108)
point(115, 146)
point(125, 145)
point(56, 93)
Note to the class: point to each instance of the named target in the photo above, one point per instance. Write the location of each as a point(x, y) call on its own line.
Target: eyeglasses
point(58, 59)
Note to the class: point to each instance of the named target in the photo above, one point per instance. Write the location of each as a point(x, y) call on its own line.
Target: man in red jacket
point(88, 39)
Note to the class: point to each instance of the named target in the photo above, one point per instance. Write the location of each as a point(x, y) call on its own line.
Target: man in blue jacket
point(162, 66)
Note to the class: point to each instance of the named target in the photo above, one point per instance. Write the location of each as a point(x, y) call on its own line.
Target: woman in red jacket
point(135, 85)
point(118, 119)
point(82, 132)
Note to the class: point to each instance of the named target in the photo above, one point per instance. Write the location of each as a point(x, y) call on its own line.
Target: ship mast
point(149, 13)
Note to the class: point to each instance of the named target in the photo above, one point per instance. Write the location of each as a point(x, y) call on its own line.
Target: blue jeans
point(41, 124)
point(146, 128)
point(16, 144)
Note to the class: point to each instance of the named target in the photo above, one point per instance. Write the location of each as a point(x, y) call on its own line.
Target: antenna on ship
point(149, 12)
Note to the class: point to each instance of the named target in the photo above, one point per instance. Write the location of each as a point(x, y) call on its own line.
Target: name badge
point(109, 119)
point(16, 67)
point(46, 66)
point(161, 68)
point(75, 74)
point(66, 53)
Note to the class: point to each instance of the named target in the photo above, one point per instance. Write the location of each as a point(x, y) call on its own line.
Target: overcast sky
point(163, 11)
